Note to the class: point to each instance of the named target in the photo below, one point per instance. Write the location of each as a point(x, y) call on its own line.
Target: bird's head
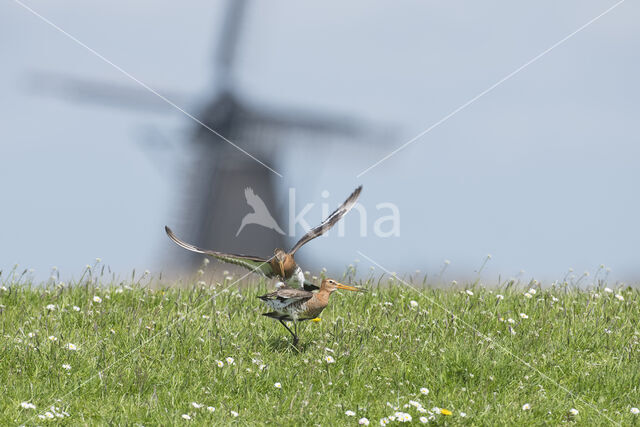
point(280, 257)
point(331, 285)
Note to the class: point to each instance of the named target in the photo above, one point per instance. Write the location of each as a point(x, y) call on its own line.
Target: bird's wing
point(285, 293)
point(330, 221)
point(254, 263)
point(254, 201)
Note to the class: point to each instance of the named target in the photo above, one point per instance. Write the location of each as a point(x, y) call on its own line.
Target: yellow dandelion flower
point(316, 320)
point(445, 412)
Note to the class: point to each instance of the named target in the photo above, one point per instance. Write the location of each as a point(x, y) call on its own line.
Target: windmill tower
point(221, 172)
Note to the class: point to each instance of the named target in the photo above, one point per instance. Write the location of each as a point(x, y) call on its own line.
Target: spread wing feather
point(329, 222)
point(254, 263)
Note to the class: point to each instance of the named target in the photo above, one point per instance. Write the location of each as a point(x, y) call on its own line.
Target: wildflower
point(500, 297)
point(413, 303)
point(48, 415)
point(608, 290)
point(424, 420)
point(528, 295)
point(277, 385)
point(204, 316)
point(463, 414)
point(234, 413)
point(186, 417)
point(53, 338)
point(524, 316)
point(66, 367)
point(446, 412)
point(384, 421)
point(573, 411)
point(554, 299)
point(350, 413)
point(230, 361)
point(50, 307)
point(635, 411)
point(72, 347)
point(532, 291)
point(526, 407)
point(28, 405)
point(510, 320)
point(329, 359)
point(316, 320)
point(97, 299)
point(220, 363)
point(363, 421)
point(424, 390)
point(415, 404)
point(620, 297)
point(403, 417)
point(76, 308)
point(196, 405)
point(31, 334)
point(211, 409)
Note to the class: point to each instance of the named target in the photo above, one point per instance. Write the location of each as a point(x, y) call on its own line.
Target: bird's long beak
point(349, 288)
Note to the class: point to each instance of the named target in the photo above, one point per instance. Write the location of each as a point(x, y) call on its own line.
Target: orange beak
point(281, 264)
point(349, 288)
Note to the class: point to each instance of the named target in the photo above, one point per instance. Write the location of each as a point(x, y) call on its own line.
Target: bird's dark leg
point(295, 326)
point(295, 337)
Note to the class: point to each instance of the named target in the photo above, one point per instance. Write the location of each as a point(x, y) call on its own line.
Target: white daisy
point(50, 307)
point(403, 417)
point(500, 297)
point(469, 292)
point(220, 363)
point(196, 405)
point(524, 316)
point(620, 297)
point(211, 409)
point(53, 338)
point(526, 407)
point(230, 361)
point(76, 308)
point(424, 420)
point(635, 411)
point(72, 347)
point(28, 405)
point(98, 300)
point(277, 385)
point(66, 367)
point(329, 359)
point(186, 417)
point(363, 421)
point(413, 304)
point(424, 390)
point(234, 413)
point(573, 411)
point(350, 413)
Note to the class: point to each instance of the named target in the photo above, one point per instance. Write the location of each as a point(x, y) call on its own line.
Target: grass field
point(131, 353)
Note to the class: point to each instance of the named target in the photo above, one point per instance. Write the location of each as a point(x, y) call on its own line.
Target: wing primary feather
point(329, 222)
point(257, 264)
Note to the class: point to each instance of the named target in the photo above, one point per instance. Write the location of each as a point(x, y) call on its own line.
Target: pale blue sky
point(542, 172)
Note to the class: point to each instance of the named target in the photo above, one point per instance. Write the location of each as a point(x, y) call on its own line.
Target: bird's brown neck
point(288, 266)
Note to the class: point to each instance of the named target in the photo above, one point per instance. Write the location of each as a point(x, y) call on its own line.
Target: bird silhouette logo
point(260, 215)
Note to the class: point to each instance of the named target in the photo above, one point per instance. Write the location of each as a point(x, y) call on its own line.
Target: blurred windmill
point(214, 199)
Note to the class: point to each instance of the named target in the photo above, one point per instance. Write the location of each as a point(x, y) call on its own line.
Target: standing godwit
point(296, 305)
point(281, 264)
